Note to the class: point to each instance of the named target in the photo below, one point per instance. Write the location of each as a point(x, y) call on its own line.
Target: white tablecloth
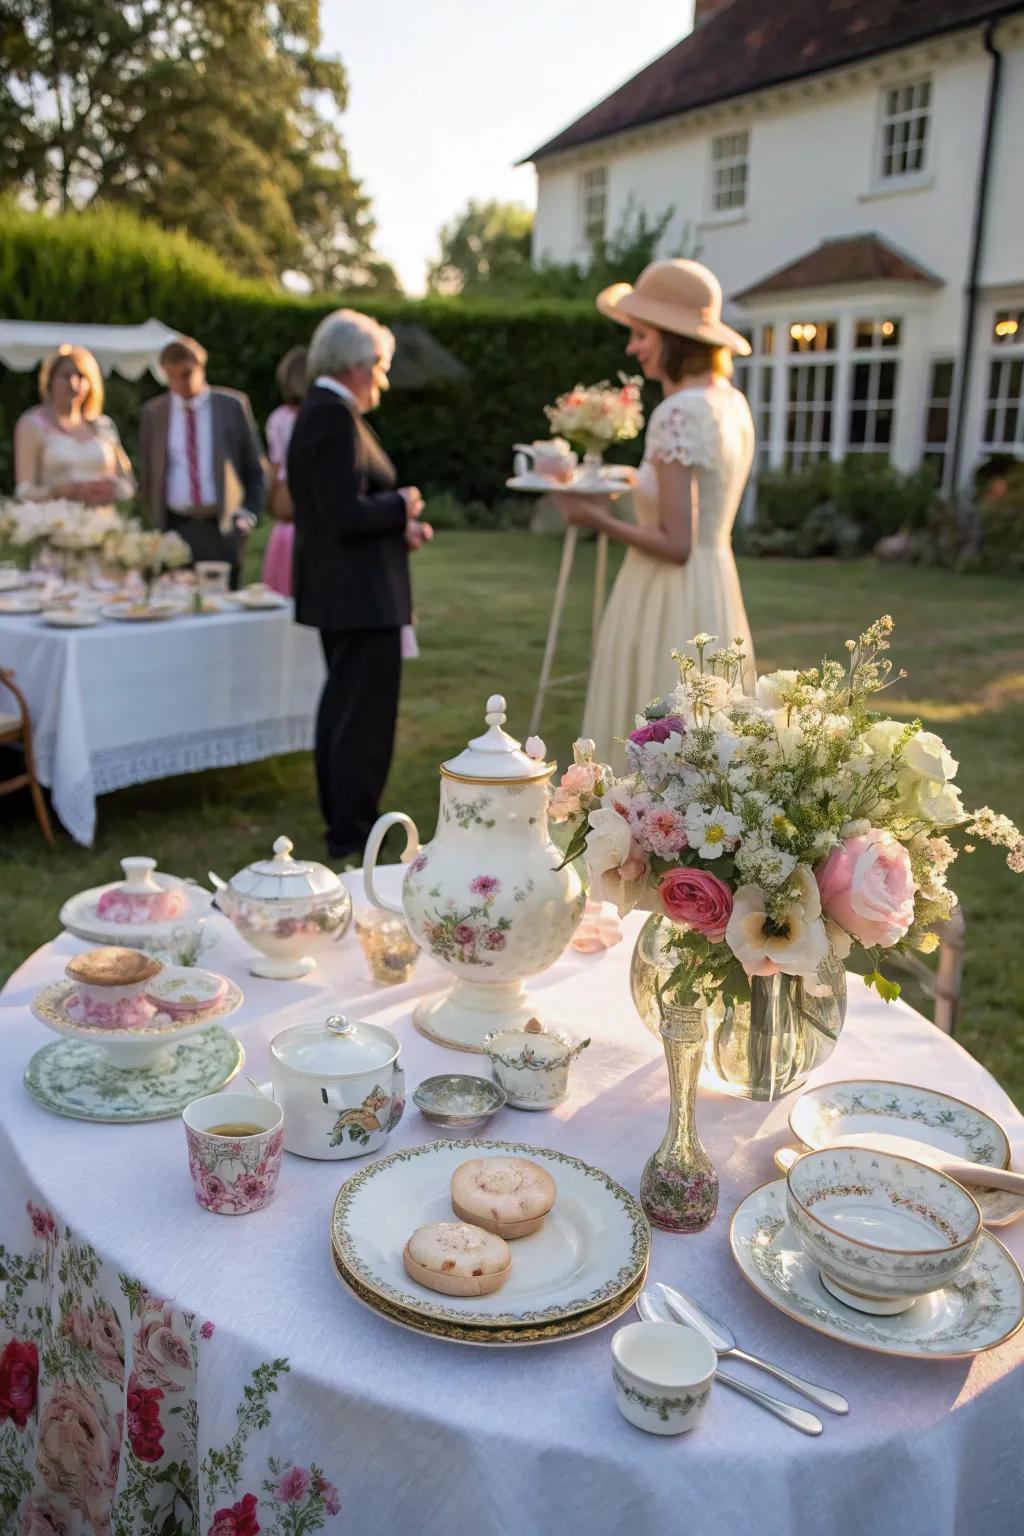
point(126, 703)
point(419, 1435)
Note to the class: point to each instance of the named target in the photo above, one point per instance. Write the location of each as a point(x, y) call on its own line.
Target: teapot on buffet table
point(340, 1086)
point(289, 909)
point(487, 896)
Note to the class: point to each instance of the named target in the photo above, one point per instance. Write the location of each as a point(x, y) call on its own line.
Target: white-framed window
point(873, 377)
point(593, 203)
point(905, 120)
point(939, 416)
point(730, 171)
point(810, 391)
point(1003, 429)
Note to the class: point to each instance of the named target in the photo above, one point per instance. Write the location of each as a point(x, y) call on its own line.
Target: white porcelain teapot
point(289, 909)
point(486, 897)
point(340, 1086)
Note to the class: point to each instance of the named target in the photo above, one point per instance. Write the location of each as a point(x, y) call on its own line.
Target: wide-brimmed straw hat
point(680, 296)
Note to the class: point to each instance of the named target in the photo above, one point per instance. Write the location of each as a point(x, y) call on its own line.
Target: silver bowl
point(455, 1101)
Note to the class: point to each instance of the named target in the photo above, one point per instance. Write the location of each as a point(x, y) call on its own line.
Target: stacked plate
point(585, 1266)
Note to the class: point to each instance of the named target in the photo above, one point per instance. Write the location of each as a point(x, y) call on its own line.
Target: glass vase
point(679, 1186)
point(759, 1050)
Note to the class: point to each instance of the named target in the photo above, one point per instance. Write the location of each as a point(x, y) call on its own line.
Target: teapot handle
point(377, 834)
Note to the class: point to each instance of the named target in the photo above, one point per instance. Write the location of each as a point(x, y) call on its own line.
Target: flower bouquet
point(769, 836)
point(146, 550)
point(595, 416)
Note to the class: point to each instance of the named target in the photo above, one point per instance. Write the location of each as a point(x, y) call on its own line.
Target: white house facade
point(865, 218)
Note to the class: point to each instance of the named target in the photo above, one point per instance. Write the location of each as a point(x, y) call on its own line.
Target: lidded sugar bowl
point(339, 1084)
point(289, 909)
point(488, 897)
point(531, 1063)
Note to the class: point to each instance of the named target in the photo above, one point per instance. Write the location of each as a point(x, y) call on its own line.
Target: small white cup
point(662, 1373)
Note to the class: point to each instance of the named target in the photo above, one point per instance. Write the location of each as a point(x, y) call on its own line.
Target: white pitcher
point(486, 896)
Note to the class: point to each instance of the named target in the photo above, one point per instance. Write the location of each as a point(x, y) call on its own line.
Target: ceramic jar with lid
point(532, 1063)
point(488, 897)
point(289, 909)
point(340, 1086)
point(160, 914)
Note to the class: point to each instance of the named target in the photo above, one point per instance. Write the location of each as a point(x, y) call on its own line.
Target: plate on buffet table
point(257, 598)
point(982, 1307)
point(141, 613)
point(490, 1338)
point(861, 1106)
point(140, 1045)
point(20, 603)
point(71, 618)
point(78, 1081)
point(592, 1248)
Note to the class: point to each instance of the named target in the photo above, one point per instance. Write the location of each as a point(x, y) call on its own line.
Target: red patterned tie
point(195, 488)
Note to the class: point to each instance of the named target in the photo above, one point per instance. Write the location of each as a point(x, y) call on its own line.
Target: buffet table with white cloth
point(228, 1344)
point(127, 703)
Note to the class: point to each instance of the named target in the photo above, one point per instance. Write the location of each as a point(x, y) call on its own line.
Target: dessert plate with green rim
point(982, 1307)
point(71, 1078)
point(865, 1105)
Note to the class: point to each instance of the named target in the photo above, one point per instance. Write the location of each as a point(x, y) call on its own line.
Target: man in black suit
point(353, 534)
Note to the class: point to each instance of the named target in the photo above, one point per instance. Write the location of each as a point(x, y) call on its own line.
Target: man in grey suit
point(200, 472)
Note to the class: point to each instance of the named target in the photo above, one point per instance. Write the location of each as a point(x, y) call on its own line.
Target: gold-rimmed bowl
point(883, 1230)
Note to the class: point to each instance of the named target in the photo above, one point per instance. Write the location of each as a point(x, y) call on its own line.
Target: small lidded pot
point(531, 1063)
point(289, 909)
point(340, 1086)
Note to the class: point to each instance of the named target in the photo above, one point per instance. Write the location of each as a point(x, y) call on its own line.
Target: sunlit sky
point(446, 95)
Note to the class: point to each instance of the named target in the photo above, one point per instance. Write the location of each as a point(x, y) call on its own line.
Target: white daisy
point(713, 832)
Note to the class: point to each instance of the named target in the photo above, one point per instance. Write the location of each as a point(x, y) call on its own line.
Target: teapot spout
point(373, 845)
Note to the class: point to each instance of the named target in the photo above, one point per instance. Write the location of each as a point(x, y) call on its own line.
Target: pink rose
point(75, 1325)
point(658, 730)
point(77, 1451)
point(494, 939)
point(239, 1520)
point(145, 1432)
point(699, 899)
point(329, 1494)
point(581, 778)
point(206, 1331)
point(19, 1373)
point(485, 886)
point(40, 1518)
point(107, 1343)
point(43, 1224)
point(292, 1486)
point(867, 887)
point(464, 933)
point(157, 1349)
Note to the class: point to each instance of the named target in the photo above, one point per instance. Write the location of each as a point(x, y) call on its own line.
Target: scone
point(509, 1196)
point(457, 1259)
point(112, 967)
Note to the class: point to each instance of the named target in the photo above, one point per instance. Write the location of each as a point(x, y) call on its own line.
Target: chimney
point(703, 10)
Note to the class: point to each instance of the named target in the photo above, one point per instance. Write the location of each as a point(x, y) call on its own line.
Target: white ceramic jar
point(339, 1085)
point(488, 897)
point(289, 909)
point(532, 1063)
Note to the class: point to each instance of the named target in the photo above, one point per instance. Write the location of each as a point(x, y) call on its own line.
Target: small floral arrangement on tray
point(594, 416)
point(146, 550)
point(776, 832)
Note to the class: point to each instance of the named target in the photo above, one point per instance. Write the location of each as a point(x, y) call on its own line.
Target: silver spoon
point(722, 1341)
point(904, 1146)
point(653, 1310)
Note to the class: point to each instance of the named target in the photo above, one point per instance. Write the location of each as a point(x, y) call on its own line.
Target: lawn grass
point(483, 601)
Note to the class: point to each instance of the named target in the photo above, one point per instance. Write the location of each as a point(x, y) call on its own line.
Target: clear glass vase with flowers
point(594, 416)
point(768, 837)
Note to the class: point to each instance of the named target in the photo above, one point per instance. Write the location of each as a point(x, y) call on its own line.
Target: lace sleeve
point(681, 431)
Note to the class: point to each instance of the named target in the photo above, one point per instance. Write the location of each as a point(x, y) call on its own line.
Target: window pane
point(942, 381)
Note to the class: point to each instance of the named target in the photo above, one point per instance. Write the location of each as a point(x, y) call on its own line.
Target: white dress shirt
point(179, 486)
point(324, 381)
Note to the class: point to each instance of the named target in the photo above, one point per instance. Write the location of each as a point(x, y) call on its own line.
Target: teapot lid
point(551, 1046)
point(338, 1047)
point(495, 757)
point(283, 878)
point(138, 876)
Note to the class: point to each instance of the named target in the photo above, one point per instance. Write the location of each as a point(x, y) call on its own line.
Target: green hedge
point(843, 509)
point(105, 266)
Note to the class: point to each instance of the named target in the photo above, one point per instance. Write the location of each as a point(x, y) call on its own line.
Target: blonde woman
point(679, 577)
point(65, 447)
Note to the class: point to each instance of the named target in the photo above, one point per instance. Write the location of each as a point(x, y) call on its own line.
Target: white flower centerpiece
point(146, 550)
point(769, 837)
point(67, 528)
point(594, 416)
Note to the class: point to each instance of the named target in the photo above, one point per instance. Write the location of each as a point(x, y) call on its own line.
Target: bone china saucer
point(982, 1307)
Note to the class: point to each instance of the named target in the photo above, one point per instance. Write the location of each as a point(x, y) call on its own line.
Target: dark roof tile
point(851, 259)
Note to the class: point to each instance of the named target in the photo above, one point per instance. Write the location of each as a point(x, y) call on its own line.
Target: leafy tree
point(218, 117)
point(486, 247)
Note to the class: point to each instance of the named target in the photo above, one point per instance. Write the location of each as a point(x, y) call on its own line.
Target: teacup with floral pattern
point(234, 1174)
point(662, 1375)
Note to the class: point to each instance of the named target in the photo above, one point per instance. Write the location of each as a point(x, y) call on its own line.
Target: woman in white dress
point(679, 576)
point(65, 448)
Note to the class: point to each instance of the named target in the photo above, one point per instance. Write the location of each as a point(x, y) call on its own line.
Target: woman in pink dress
point(277, 561)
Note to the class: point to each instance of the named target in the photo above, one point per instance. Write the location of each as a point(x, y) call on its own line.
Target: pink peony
point(19, 1373)
point(699, 899)
point(292, 1486)
point(77, 1451)
point(239, 1520)
point(658, 730)
point(485, 886)
point(664, 832)
point(867, 887)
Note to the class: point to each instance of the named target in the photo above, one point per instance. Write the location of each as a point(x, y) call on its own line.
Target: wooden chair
point(943, 983)
point(16, 730)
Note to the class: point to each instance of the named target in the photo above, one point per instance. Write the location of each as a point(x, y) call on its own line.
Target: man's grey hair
point(347, 339)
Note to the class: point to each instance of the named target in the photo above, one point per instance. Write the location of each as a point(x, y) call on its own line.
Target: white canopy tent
point(125, 349)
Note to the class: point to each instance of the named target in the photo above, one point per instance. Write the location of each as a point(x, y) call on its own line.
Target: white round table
point(408, 1433)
